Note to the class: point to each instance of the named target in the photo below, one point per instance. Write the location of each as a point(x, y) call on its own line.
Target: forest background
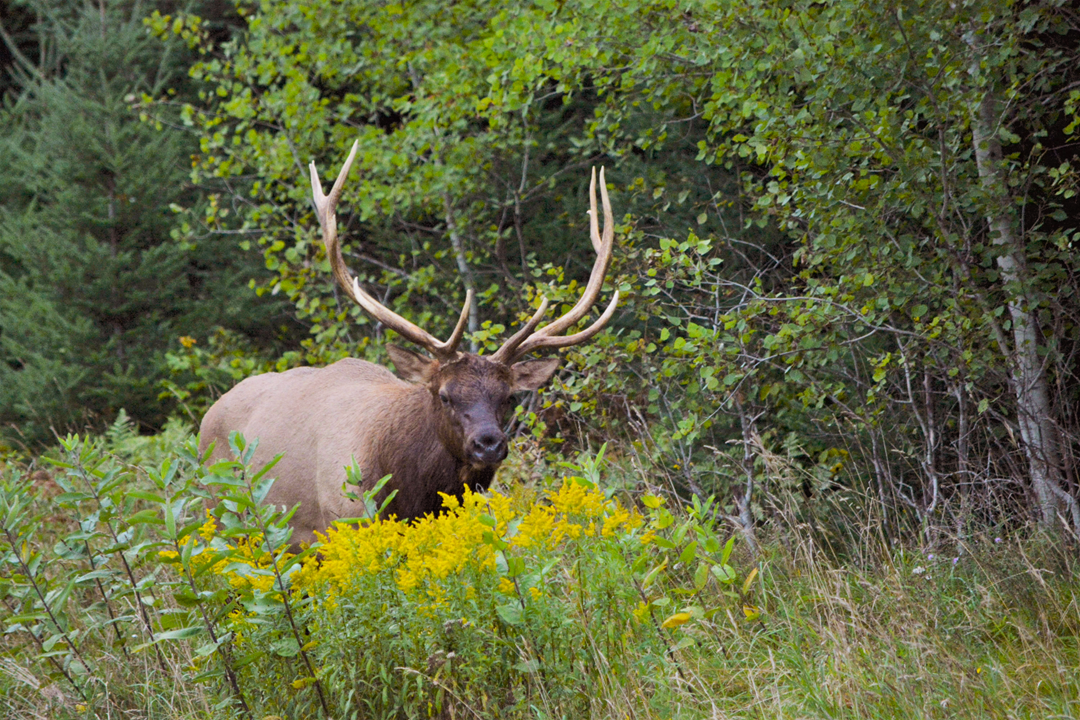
point(846, 234)
point(845, 245)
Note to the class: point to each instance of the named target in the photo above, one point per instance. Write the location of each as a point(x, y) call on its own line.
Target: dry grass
point(912, 634)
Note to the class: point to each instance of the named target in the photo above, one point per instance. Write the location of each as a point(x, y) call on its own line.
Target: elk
point(435, 427)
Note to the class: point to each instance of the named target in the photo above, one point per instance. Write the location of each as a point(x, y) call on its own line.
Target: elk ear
point(533, 374)
point(412, 366)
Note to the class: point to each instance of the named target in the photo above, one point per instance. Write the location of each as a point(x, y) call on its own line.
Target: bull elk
point(435, 428)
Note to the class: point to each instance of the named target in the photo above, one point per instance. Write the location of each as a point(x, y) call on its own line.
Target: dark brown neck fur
point(423, 452)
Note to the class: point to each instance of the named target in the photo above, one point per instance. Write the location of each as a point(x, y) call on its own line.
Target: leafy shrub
point(175, 575)
point(122, 573)
point(506, 603)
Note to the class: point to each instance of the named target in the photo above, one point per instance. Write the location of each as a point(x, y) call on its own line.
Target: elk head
point(470, 394)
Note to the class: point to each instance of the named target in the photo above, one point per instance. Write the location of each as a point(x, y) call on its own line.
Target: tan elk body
point(435, 428)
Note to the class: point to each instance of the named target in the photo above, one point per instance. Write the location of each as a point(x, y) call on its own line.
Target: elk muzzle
point(486, 447)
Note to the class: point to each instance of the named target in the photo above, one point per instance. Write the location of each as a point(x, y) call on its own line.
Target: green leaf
point(510, 613)
point(208, 649)
point(724, 573)
point(728, 547)
point(651, 501)
point(701, 576)
point(285, 647)
point(145, 517)
point(185, 633)
point(24, 618)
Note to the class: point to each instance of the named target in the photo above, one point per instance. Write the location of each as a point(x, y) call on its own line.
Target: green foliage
point(252, 549)
point(504, 604)
point(140, 575)
point(807, 251)
point(95, 285)
point(456, 189)
point(851, 130)
point(150, 564)
point(166, 589)
point(841, 304)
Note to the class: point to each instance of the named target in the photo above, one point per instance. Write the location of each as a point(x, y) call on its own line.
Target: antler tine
point(449, 348)
point(539, 341)
point(507, 352)
point(325, 208)
point(603, 257)
point(550, 336)
point(594, 220)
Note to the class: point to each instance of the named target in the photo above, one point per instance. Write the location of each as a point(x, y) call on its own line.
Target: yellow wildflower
point(618, 517)
point(537, 529)
point(573, 498)
point(208, 528)
point(407, 581)
point(348, 550)
point(429, 559)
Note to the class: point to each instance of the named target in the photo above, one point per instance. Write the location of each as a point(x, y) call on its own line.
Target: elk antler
point(324, 207)
point(526, 340)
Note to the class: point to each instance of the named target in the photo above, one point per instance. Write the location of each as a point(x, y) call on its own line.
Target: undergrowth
point(135, 582)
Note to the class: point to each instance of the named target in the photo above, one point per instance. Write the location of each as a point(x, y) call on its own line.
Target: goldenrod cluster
point(200, 556)
point(463, 539)
point(247, 551)
point(250, 552)
point(574, 510)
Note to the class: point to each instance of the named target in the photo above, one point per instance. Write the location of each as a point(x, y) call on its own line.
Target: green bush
point(505, 604)
point(176, 573)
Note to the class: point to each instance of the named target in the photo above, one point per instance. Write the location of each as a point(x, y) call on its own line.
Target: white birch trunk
point(1037, 428)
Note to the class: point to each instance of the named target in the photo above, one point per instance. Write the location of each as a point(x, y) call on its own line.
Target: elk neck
point(424, 451)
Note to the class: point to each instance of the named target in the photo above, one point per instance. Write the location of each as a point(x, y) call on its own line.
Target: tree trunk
point(463, 268)
point(745, 519)
point(1037, 428)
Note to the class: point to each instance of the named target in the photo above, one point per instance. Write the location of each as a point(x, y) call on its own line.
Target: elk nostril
point(490, 442)
point(489, 447)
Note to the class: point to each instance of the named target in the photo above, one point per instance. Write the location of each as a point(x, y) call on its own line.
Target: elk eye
point(445, 398)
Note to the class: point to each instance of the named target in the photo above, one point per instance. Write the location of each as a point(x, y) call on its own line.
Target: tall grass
point(663, 616)
point(989, 632)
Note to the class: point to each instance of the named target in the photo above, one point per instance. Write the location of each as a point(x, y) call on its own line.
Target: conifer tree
point(94, 287)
